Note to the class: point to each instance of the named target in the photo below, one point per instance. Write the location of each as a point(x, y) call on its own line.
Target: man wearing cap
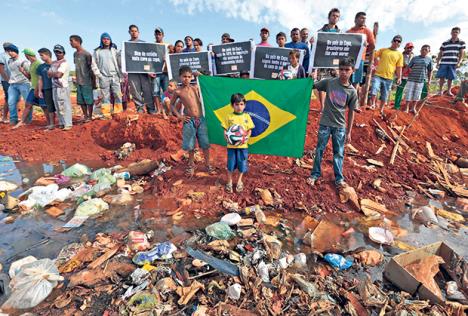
point(264, 34)
point(407, 56)
point(4, 77)
point(107, 60)
point(59, 72)
point(390, 61)
point(226, 38)
point(19, 83)
point(161, 81)
point(33, 96)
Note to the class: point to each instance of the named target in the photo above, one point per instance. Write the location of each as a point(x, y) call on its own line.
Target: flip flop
point(189, 171)
point(239, 187)
point(311, 181)
point(211, 170)
point(229, 187)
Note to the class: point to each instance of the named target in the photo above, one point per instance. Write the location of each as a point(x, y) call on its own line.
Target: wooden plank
point(106, 256)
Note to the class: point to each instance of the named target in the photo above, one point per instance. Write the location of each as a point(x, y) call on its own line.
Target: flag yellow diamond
point(266, 116)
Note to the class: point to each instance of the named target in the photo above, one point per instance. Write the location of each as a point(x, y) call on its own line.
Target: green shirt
point(33, 73)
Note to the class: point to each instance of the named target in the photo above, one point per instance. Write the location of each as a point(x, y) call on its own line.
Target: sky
point(43, 23)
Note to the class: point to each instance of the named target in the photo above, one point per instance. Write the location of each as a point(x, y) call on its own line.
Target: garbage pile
point(247, 263)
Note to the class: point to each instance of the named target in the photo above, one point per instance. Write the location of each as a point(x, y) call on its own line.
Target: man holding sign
point(140, 83)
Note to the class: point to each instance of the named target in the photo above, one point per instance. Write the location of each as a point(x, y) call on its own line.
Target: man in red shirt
point(361, 28)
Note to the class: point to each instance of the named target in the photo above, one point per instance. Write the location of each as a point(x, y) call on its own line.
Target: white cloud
point(313, 13)
point(52, 15)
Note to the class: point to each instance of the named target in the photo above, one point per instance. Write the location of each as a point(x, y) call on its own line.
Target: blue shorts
point(84, 95)
point(237, 159)
point(447, 72)
point(32, 99)
point(194, 130)
point(358, 74)
point(383, 85)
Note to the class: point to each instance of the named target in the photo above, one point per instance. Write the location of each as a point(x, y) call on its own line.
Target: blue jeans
point(338, 135)
point(15, 92)
point(383, 85)
point(160, 84)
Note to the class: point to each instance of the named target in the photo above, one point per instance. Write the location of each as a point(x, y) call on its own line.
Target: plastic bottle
point(161, 251)
point(122, 175)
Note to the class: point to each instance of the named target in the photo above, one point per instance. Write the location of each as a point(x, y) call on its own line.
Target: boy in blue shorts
point(194, 128)
point(237, 154)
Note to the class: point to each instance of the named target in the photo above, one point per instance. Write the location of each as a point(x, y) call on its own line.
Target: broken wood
point(375, 162)
point(383, 130)
point(395, 149)
point(106, 256)
point(380, 149)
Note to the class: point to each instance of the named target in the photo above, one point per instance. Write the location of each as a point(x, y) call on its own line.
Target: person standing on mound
point(339, 95)
point(195, 128)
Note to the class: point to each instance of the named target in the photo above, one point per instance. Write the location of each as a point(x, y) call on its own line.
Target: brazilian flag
point(278, 108)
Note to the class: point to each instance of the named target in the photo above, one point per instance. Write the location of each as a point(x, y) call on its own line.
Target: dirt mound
point(440, 123)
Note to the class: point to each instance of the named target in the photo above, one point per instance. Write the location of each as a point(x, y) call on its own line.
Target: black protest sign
point(269, 61)
point(200, 62)
point(141, 57)
point(232, 58)
point(330, 48)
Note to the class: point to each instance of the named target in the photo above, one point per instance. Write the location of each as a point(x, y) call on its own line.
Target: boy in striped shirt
point(449, 59)
point(420, 69)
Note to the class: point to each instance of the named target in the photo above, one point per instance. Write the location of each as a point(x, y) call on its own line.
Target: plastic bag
point(16, 266)
point(220, 231)
point(76, 171)
point(231, 219)
point(161, 251)
point(104, 178)
point(44, 195)
point(34, 282)
point(338, 261)
point(91, 207)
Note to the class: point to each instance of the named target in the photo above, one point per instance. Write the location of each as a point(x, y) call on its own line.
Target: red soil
point(444, 126)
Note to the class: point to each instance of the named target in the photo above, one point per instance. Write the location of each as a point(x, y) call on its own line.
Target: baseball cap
point(408, 45)
point(12, 47)
point(29, 52)
point(159, 29)
point(59, 48)
point(226, 35)
point(6, 44)
point(264, 29)
point(397, 37)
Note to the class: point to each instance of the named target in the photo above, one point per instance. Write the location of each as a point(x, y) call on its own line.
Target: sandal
point(311, 181)
point(189, 171)
point(229, 187)
point(239, 187)
point(211, 170)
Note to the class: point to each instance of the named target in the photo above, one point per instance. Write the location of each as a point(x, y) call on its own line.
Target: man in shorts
point(449, 59)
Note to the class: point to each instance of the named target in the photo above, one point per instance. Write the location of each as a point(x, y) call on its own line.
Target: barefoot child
point(194, 122)
point(237, 154)
point(171, 87)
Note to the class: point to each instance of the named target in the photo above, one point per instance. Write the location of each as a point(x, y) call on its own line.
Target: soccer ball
point(236, 135)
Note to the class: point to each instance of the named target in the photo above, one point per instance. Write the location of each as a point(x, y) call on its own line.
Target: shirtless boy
point(195, 128)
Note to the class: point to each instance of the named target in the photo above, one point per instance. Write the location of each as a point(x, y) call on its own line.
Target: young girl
point(237, 155)
point(294, 70)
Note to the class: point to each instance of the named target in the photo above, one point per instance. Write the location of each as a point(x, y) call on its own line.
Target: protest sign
point(197, 61)
point(142, 57)
point(268, 61)
point(330, 48)
point(232, 58)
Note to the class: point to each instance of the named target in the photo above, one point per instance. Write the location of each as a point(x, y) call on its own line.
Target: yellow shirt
point(242, 119)
point(389, 60)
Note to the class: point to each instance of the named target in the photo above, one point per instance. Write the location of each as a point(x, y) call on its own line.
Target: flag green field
point(278, 108)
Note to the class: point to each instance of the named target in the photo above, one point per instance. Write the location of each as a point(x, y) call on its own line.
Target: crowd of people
point(103, 89)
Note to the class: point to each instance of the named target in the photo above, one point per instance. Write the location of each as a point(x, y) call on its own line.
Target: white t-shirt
point(64, 68)
point(16, 76)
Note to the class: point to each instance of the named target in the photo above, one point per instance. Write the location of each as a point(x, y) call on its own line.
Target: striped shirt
point(451, 51)
point(420, 66)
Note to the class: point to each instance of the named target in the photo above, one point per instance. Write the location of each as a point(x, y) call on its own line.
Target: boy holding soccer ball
point(237, 129)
